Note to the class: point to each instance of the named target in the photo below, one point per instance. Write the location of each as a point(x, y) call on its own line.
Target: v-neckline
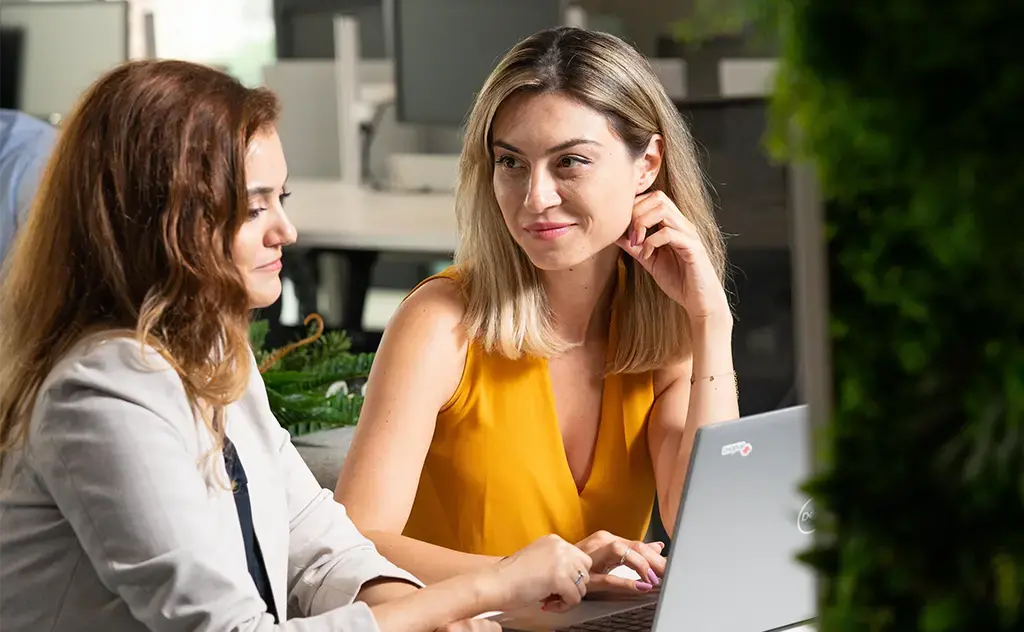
point(553, 417)
point(602, 414)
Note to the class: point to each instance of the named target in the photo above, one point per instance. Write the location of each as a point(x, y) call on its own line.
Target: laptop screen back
point(743, 521)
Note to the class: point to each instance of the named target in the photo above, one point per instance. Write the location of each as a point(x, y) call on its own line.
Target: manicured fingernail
point(653, 576)
point(644, 586)
point(659, 546)
point(632, 238)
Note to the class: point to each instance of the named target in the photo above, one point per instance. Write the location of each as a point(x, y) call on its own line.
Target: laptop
point(732, 564)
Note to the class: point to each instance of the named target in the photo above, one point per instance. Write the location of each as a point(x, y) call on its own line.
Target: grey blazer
point(112, 517)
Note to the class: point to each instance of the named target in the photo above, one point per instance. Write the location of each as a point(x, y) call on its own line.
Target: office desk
point(359, 223)
point(333, 215)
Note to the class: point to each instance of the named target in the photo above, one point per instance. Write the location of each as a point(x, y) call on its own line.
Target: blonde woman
point(145, 484)
point(553, 379)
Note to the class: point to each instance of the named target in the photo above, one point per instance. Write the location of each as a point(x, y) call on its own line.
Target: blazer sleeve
point(115, 445)
point(329, 560)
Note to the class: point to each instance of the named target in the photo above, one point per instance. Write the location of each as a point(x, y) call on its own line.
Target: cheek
point(609, 204)
point(507, 195)
point(247, 244)
point(615, 222)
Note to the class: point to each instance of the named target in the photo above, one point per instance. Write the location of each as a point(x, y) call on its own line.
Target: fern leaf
point(351, 366)
point(297, 384)
point(289, 382)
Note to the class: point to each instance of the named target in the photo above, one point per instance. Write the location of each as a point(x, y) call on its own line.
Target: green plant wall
point(913, 114)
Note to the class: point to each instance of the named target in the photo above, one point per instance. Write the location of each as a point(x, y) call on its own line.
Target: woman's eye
point(508, 162)
point(255, 212)
point(568, 162)
point(284, 196)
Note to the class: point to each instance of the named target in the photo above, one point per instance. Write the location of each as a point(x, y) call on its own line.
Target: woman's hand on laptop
point(549, 570)
point(608, 552)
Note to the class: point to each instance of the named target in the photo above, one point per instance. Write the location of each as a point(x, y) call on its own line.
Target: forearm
point(710, 400)
point(383, 590)
point(432, 607)
point(428, 562)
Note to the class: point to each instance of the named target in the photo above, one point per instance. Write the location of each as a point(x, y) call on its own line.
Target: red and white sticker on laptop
point(740, 447)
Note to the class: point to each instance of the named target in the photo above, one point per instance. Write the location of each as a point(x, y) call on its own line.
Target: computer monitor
point(304, 29)
point(12, 44)
point(56, 70)
point(445, 49)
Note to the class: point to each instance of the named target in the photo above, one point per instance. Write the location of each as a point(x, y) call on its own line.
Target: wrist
point(712, 325)
point(489, 588)
point(711, 344)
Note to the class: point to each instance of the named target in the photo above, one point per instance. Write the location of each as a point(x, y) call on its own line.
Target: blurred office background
point(374, 93)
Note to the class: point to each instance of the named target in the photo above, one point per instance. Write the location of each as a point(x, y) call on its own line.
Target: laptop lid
point(742, 521)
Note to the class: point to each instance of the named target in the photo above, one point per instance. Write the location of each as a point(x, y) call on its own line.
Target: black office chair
point(656, 532)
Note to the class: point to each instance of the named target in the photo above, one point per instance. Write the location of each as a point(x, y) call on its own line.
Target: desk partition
point(67, 46)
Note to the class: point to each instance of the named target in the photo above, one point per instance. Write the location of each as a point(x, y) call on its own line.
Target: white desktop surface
point(377, 93)
point(331, 214)
point(371, 97)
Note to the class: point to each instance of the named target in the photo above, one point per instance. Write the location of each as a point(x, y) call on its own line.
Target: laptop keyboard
point(636, 620)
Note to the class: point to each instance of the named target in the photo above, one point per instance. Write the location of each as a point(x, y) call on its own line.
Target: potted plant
point(315, 383)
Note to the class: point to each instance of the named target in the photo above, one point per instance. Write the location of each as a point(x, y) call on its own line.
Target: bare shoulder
point(438, 301)
point(423, 351)
point(417, 369)
point(434, 309)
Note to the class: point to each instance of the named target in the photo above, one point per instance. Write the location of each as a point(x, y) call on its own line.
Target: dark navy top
point(257, 569)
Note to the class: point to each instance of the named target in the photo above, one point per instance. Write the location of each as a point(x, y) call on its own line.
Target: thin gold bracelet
point(711, 378)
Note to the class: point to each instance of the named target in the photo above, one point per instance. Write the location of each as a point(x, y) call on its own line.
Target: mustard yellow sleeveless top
point(496, 477)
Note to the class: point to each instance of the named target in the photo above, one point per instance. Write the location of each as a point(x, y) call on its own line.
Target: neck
point(580, 297)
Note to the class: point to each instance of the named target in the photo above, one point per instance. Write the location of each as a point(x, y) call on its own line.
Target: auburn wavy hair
point(131, 232)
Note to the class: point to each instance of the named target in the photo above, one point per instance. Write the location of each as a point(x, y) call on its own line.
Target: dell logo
point(805, 519)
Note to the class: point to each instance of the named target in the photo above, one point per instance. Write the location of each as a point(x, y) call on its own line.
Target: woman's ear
point(650, 163)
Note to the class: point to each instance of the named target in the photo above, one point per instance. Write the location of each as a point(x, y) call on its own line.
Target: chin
point(553, 261)
point(260, 298)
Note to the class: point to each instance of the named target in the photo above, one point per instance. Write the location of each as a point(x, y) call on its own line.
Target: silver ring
point(579, 578)
point(622, 560)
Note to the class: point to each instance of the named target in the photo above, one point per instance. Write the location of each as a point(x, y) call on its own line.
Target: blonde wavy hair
point(507, 311)
point(131, 233)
